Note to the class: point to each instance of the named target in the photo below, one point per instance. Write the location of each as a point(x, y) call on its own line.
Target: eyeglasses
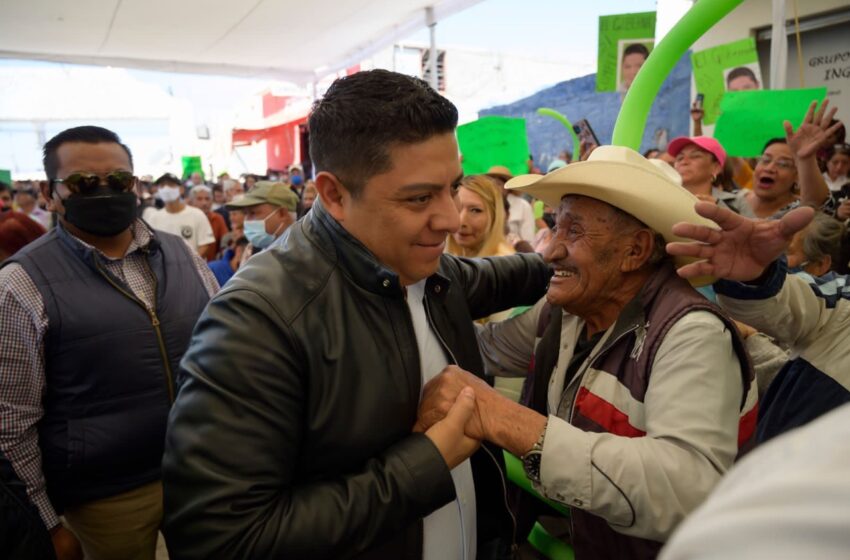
point(86, 183)
point(786, 164)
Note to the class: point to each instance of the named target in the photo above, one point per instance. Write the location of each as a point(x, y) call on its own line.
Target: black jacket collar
point(358, 261)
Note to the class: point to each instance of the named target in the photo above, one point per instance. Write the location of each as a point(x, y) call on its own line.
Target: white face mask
point(168, 194)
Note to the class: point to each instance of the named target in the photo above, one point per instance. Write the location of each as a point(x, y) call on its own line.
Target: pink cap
point(710, 145)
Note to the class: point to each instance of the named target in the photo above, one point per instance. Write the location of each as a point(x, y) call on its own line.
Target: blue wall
point(577, 99)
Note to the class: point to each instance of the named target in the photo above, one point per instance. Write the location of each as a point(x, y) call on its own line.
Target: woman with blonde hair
point(482, 220)
point(482, 234)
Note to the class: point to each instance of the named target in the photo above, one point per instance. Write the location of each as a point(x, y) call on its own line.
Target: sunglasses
point(87, 183)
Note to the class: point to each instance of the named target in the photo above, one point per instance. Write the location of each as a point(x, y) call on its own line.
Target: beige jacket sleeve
point(645, 486)
point(507, 346)
point(812, 326)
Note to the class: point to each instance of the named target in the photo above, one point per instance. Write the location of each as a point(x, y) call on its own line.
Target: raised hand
point(585, 149)
point(741, 249)
point(812, 132)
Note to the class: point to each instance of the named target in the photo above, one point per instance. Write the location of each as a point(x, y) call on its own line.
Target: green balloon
point(546, 112)
point(628, 130)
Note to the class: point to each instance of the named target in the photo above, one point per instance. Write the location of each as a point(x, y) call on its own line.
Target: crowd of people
point(332, 366)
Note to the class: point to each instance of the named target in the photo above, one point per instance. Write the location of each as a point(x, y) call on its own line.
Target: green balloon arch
point(628, 130)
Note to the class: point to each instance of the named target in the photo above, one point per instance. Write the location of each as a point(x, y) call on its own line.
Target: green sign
point(750, 118)
point(712, 66)
point(192, 164)
point(617, 35)
point(493, 141)
point(6, 176)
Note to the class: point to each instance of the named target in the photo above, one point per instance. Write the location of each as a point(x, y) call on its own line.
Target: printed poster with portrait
point(730, 67)
point(625, 41)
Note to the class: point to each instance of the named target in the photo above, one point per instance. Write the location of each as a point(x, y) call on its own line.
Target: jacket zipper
point(641, 328)
point(151, 311)
point(608, 345)
point(514, 547)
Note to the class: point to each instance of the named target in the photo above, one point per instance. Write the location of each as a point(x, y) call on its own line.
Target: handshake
point(458, 411)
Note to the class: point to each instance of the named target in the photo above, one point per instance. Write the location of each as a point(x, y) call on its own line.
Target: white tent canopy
point(279, 39)
point(79, 93)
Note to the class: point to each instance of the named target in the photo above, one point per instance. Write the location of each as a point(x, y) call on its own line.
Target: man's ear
point(334, 195)
point(820, 267)
point(638, 250)
point(45, 192)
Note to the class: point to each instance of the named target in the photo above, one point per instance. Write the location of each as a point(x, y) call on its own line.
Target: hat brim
point(245, 202)
point(500, 176)
point(642, 192)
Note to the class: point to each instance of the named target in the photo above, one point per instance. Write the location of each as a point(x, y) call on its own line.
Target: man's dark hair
point(167, 179)
point(636, 48)
point(772, 141)
point(739, 72)
point(87, 134)
point(5, 187)
point(362, 116)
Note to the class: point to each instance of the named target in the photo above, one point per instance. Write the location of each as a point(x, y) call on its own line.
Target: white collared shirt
point(449, 532)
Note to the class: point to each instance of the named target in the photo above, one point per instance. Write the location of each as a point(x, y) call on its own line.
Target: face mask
point(104, 213)
point(255, 231)
point(168, 194)
point(297, 180)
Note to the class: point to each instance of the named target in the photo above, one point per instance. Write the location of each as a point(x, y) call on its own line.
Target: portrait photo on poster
point(743, 77)
point(631, 55)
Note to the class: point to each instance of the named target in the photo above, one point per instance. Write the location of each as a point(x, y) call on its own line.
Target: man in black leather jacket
point(291, 436)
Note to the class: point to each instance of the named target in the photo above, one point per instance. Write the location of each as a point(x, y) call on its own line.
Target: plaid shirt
point(23, 323)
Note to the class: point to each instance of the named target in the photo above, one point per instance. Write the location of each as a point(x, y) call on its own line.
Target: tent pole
point(432, 58)
point(778, 47)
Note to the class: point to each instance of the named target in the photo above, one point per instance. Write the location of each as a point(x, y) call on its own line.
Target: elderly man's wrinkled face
point(584, 255)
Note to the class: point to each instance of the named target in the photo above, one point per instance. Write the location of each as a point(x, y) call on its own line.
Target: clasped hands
point(450, 413)
point(459, 410)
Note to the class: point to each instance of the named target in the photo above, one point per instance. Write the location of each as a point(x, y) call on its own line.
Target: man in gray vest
point(638, 384)
point(94, 318)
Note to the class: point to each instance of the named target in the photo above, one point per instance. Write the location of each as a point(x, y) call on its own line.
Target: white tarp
point(280, 39)
point(62, 93)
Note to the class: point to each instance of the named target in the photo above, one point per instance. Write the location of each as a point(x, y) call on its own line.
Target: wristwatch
point(531, 460)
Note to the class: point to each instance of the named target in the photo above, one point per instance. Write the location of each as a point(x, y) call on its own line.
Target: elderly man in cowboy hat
point(639, 392)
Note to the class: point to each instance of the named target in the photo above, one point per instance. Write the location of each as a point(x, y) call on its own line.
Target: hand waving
point(742, 248)
point(812, 132)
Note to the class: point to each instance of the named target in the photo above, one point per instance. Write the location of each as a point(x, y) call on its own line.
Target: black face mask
point(549, 218)
point(104, 213)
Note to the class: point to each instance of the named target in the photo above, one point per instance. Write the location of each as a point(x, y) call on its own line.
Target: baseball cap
point(268, 192)
point(710, 145)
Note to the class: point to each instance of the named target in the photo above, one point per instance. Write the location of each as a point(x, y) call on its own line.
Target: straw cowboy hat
point(626, 180)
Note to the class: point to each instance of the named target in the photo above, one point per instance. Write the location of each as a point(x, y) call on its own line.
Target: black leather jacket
point(291, 434)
